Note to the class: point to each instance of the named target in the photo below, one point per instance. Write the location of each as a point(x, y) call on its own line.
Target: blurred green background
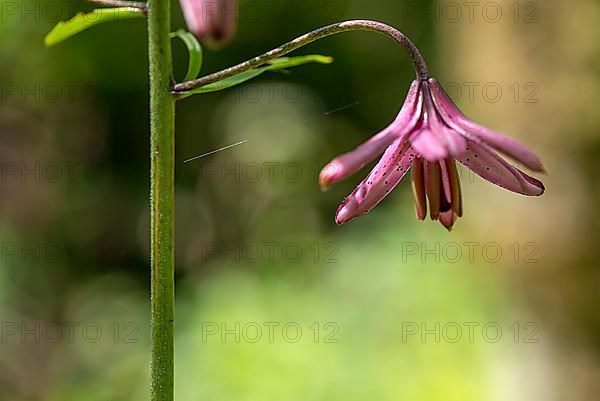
point(273, 300)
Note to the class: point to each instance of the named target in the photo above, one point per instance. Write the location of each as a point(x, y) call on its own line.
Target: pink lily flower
point(430, 134)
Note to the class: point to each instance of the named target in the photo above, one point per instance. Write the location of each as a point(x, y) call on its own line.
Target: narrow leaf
point(274, 65)
point(288, 62)
point(194, 53)
point(65, 29)
point(228, 82)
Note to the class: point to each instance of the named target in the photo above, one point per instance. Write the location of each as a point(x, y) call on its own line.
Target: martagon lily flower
point(429, 135)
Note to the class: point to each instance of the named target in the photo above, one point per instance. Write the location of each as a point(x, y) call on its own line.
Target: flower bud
point(211, 21)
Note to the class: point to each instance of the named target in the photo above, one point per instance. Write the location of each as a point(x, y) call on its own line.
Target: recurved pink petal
point(349, 163)
point(508, 146)
point(478, 133)
point(394, 164)
point(496, 170)
point(410, 111)
point(429, 145)
point(442, 101)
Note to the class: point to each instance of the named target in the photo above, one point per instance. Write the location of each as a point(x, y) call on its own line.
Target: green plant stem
point(162, 199)
point(415, 56)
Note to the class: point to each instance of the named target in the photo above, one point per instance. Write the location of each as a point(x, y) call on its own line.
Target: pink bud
point(211, 21)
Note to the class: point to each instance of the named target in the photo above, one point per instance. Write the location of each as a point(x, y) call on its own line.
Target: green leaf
point(65, 29)
point(194, 53)
point(288, 62)
point(228, 82)
point(274, 65)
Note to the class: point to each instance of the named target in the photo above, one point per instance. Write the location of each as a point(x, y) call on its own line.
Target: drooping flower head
point(212, 21)
point(429, 135)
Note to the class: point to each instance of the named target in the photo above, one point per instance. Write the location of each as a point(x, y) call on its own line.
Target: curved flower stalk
point(429, 135)
point(212, 21)
point(333, 29)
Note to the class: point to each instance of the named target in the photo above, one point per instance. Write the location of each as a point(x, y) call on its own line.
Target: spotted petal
point(392, 167)
point(503, 144)
point(480, 134)
point(349, 163)
point(496, 170)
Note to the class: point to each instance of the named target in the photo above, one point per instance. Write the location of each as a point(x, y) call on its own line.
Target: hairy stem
point(162, 198)
point(355, 25)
